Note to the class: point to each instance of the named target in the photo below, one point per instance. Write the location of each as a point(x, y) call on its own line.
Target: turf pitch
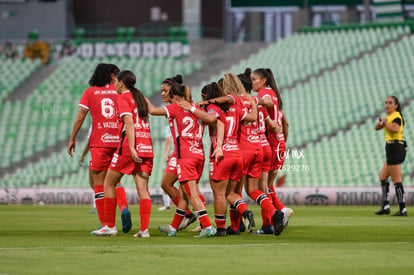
point(318, 240)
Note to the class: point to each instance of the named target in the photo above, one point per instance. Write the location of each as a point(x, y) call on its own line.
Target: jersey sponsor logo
point(143, 148)
point(109, 138)
point(197, 150)
point(230, 147)
point(253, 139)
point(143, 134)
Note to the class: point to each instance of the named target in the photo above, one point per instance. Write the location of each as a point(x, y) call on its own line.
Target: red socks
point(145, 213)
point(121, 196)
point(99, 201)
point(220, 220)
point(178, 218)
point(264, 202)
point(110, 211)
point(203, 218)
point(276, 202)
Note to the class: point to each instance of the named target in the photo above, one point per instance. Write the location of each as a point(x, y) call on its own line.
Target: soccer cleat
point(105, 231)
point(242, 227)
point(264, 230)
point(142, 234)
point(167, 230)
point(383, 211)
point(188, 219)
point(126, 220)
point(400, 214)
point(221, 232)
point(207, 232)
point(164, 208)
point(277, 219)
point(248, 220)
point(230, 231)
point(287, 213)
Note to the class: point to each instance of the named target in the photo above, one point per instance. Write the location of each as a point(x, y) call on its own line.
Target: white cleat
point(142, 234)
point(287, 214)
point(105, 231)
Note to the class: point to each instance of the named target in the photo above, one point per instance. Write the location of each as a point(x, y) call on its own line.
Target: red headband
point(169, 81)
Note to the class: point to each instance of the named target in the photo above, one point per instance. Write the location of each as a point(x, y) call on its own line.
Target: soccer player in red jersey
point(252, 156)
point(264, 84)
point(134, 154)
point(170, 174)
point(226, 173)
point(100, 100)
point(188, 131)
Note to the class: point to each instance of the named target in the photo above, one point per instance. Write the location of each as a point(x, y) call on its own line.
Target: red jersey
point(261, 124)
point(218, 113)
point(232, 121)
point(274, 114)
point(101, 102)
point(187, 131)
point(248, 130)
point(143, 142)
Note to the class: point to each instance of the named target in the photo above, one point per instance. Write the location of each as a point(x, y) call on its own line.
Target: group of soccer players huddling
point(247, 148)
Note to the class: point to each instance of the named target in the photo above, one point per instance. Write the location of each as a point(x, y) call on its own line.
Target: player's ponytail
point(399, 109)
point(129, 79)
point(232, 85)
point(270, 82)
point(246, 80)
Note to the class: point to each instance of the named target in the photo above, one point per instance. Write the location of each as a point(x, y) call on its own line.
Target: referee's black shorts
point(395, 151)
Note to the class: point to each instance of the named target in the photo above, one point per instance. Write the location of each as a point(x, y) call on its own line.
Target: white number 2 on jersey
point(187, 132)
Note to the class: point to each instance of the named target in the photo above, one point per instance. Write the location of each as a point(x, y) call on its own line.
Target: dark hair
point(212, 90)
point(246, 79)
point(129, 79)
point(113, 69)
point(178, 79)
point(270, 81)
point(181, 91)
point(396, 101)
point(102, 75)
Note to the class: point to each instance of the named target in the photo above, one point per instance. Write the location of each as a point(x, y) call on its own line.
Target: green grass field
point(319, 240)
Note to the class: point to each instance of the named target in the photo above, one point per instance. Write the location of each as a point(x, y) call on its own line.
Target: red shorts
point(278, 156)
point(189, 169)
point(126, 165)
point(267, 158)
point(252, 162)
point(101, 158)
point(227, 168)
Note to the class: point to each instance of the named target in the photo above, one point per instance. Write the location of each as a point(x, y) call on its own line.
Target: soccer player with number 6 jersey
point(100, 100)
point(134, 155)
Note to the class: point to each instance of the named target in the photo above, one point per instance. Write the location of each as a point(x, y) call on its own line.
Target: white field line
point(133, 246)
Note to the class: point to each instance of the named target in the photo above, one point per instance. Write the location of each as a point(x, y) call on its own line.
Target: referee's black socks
point(399, 191)
point(385, 186)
